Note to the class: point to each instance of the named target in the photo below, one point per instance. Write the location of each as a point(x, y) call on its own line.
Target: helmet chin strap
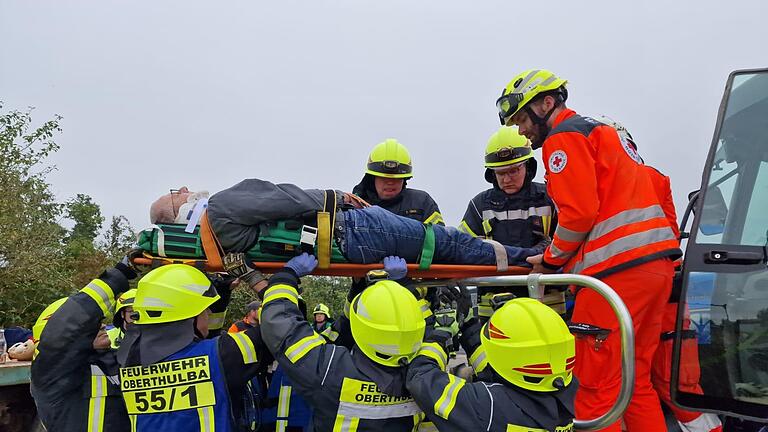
point(197, 332)
point(541, 123)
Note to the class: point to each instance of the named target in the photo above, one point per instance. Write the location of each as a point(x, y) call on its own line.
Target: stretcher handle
point(435, 271)
point(625, 329)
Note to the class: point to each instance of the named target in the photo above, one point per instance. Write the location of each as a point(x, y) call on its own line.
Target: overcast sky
point(157, 95)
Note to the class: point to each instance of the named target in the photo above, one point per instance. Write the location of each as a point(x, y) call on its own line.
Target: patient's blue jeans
point(372, 233)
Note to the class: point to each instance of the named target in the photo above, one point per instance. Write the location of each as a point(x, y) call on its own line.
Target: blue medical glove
point(396, 267)
point(302, 264)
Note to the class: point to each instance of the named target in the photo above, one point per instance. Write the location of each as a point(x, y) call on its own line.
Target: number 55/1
point(170, 398)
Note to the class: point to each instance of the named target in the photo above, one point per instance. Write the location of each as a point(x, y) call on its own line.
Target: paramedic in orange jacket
point(661, 369)
point(611, 226)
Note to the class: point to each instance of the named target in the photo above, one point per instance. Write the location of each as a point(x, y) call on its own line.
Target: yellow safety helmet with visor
point(173, 292)
point(387, 323)
point(507, 147)
point(390, 159)
point(524, 88)
point(529, 345)
point(322, 309)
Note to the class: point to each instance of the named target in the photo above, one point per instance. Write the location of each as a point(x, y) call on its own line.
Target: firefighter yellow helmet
point(42, 320)
point(507, 147)
point(387, 323)
point(171, 293)
point(524, 88)
point(529, 345)
point(126, 299)
point(390, 159)
point(322, 309)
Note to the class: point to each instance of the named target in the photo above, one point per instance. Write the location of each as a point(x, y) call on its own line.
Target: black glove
point(457, 298)
point(463, 306)
point(358, 285)
point(126, 266)
point(236, 265)
point(445, 320)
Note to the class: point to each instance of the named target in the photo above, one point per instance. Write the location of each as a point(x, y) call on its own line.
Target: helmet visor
point(390, 167)
point(507, 154)
point(508, 105)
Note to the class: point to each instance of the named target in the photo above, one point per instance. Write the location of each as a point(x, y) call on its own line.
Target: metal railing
point(535, 284)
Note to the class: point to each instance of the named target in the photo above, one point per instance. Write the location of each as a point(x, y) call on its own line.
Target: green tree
point(87, 217)
point(80, 249)
point(315, 289)
point(118, 238)
point(32, 271)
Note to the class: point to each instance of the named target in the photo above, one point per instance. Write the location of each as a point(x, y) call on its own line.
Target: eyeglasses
point(173, 205)
point(511, 172)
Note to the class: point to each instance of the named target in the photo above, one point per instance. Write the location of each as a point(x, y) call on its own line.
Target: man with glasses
point(516, 211)
point(241, 215)
point(611, 226)
point(180, 206)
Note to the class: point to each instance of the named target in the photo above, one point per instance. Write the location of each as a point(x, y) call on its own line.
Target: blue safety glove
point(396, 267)
point(303, 264)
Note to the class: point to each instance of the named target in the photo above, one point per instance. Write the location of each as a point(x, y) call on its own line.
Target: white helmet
point(620, 129)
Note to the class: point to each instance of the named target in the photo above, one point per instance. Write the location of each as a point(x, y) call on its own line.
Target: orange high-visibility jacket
point(610, 217)
point(663, 188)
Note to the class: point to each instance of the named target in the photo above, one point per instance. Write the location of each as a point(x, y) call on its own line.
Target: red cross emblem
point(557, 161)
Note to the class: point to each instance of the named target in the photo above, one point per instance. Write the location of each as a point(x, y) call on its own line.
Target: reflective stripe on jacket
point(524, 219)
point(76, 388)
point(453, 404)
point(342, 397)
point(609, 216)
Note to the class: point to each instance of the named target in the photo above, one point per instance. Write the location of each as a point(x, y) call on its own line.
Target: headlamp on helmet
point(390, 159)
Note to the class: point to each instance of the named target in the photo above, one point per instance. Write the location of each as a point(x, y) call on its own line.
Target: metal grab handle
point(625, 328)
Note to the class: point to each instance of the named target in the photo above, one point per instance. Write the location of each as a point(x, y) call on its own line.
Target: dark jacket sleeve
point(66, 343)
point(223, 285)
point(343, 332)
point(472, 223)
point(243, 355)
point(300, 351)
point(432, 211)
point(450, 402)
point(470, 341)
point(541, 246)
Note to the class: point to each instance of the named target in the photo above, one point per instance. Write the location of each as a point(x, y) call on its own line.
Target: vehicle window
point(756, 225)
point(725, 351)
point(729, 315)
point(735, 207)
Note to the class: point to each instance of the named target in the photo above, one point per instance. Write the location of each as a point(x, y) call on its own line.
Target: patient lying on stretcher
point(242, 216)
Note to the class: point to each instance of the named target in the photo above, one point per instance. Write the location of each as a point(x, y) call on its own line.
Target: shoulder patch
point(557, 161)
point(629, 149)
